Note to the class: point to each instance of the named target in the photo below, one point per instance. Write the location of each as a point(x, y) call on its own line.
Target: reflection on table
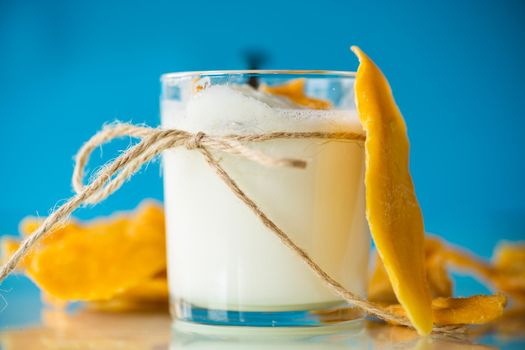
point(87, 329)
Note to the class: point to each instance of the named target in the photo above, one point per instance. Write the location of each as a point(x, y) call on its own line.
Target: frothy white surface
point(223, 109)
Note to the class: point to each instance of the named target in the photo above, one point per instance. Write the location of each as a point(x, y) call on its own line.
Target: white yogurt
point(220, 255)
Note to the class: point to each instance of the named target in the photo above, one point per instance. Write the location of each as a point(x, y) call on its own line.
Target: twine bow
point(152, 142)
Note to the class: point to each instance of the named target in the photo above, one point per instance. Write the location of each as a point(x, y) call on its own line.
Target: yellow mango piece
point(393, 212)
point(438, 278)
point(30, 224)
point(478, 309)
point(152, 290)
point(510, 256)
point(8, 246)
point(379, 286)
point(508, 273)
point(294, 90)
point(100, 259)
point(505, 274)
point(150, 294)
point(509, 326)
point(466, 261)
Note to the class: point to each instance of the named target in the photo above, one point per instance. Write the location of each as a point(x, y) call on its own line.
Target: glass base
point(310, 317)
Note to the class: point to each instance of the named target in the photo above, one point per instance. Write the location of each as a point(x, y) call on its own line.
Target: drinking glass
point(225, 267)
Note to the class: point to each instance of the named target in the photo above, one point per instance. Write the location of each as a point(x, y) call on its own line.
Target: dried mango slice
point(29, 224)
point(508, 274)
point(476, 309)
point(438, 278)
point(505, 274)
point(150, 294)
point(379, 286)
point(99, 260)
point(153, 290)
point(8, 247)
point(439, 281)
point(510, 325)
point(466, 261)
point(294, 90)
point(510, 257)
point(393, 213)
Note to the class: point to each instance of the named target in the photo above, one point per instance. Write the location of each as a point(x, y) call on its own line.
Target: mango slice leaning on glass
point(438, 278)
point(100, 259)
point(389, 150)
point(505, 275)
point(393, 212)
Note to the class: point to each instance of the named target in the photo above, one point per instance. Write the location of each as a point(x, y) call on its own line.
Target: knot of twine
point(194, 142)
point(154, 141)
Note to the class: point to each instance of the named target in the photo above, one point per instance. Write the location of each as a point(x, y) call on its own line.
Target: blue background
point(456, 67)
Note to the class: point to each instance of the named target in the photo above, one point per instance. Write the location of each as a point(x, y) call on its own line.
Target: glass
point(224, 266)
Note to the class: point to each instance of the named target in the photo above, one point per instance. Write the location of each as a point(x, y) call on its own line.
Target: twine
point(152, 142)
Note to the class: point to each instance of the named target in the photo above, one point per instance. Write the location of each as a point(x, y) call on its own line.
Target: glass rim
point(304, 72)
